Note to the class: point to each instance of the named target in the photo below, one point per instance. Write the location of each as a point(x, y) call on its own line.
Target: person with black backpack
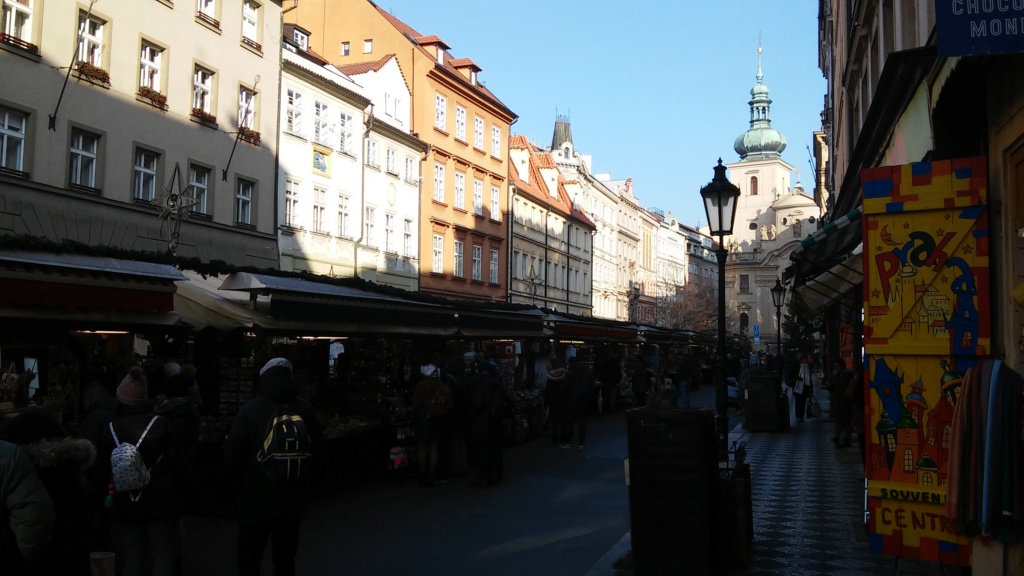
point(272, 453)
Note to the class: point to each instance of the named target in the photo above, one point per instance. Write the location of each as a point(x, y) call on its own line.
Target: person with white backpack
point(150, 483)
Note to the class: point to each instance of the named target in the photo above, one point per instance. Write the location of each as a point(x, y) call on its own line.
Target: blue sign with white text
point(972, 27)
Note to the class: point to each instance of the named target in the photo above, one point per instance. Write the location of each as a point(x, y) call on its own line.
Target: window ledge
point(209, 22)
point(93, 81)
point(18, 43)
point(463, 210)
point(244, 226)
point(437, 202)
point(145, 203)
point(167, 3)
point(11, 172)
point(85, 189)
point(440, 131)
point(252, 46)
point(438, 275)
point(200, 216)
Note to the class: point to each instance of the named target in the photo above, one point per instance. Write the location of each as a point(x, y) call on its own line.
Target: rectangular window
point(90, 43)
point(149, 66)
point(437, 262)
point(293, 112)
point(440, 112)
point(250, 20)
point(439, 183)
point(390, 235)
point(145, 174)
point(460, 123)
point(407, 238)
point(496, 142)
point(478, 133)
point(495, 203)
point(478, 197)
point(478, 262)
point(243, 202)
point(83, 158)
point(367, 46)
point(17, 19)
point(246, 108)
point(410, 169)
point(391, 165)
point(202, 89)
point(344, 218)
point(744, 284)
point(12, 139)
point(345, 134)
point(199, 186)
point(458, 262)
point(207, 8)
point(494, 267)
point(301, 39)
point(320, 210)
point(291, 203)
point(369, 215)
point(371, 154)
point(460, 190)
point(346, 48)
point(320, 126)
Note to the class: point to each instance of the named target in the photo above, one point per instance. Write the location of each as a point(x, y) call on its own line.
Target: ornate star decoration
point(174, 206)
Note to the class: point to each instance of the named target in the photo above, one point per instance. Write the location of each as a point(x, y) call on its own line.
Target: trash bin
point(673, 481)
point(734, 519)
point(762, 409)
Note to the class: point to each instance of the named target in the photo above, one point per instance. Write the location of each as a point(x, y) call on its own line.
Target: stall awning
point(86, 291)
point(821, 250)
point(568, 328)
point(831, 285)
point(480, 323)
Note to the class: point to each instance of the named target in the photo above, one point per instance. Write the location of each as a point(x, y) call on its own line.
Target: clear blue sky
point(656, 91)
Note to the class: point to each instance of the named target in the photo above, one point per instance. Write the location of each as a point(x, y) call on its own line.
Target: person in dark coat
point(428, 426)
point(26, 511)
point(556, 397)
point(99, 409)
point(486, 413)
point(267, 509)
point(579, 385)
point(61, 462)
point(145, 524)
point(181, 411)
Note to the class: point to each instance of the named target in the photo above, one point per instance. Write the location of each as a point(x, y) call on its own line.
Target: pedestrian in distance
point(26, 512)
point(272, 454)
point(431, 403)
point(580, 385)
point(487, 412)
point(556, 396)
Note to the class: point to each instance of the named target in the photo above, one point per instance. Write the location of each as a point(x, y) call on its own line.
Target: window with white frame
point(84, 152)
point(460, 190)
point(493, 272)
point(90, 42)
point(478, 197)
point(320, 209)
point(243, 201)
point(17, 19)
point(301, 39)
point(199, 186)
point(496, 142)
point(495, 203)
point(346, 48)
point(345, 138)
point(246, 107)
point(460, 123)
point(478, 262)
point(389, 105)
point(407, 238)
point(144, 187)
point(250, 20)
point(344, 217)
point(369, 230)
point(293, 112)
point(478, 133)
point(291, 203)
point(392, 162)
point(439, 183)
point(390, 234)
point(12, 139)
point(368, 46)
point(437, 261)
point(320, 123)
point(202, 89)
point(410, 169)
point(207, 8)
point(371, 154)
point(457, 263)
point(149, 66)
point(440, 112)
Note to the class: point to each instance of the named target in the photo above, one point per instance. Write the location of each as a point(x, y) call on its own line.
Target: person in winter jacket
point(428, 426)
point(26, 511)
point(61, 462)
point(145, 525)
point(181, 411)
point(486, 413)
point(266, 508)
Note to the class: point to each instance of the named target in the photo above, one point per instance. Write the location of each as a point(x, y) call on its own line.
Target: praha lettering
point(961, 7)
point(997, 27)
point(910, 519)
point(912, 496)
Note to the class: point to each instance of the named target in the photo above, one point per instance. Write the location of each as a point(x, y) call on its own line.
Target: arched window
point(753, 185)
point(744, 322)
point(908, 460)
point(926, 479)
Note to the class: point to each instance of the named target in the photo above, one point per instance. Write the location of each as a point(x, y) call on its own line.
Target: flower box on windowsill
point(155, 98)
point(249, 135)
point(93, 74)
point(203, 116)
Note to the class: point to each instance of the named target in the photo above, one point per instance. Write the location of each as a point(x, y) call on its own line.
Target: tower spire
point(760, 141)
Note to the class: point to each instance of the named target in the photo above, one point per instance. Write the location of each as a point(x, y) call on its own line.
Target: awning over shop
point(830, 286)
point(822, 249)
point(88, 292)
point(594, 329)
point(655, 335)
point(481, 323)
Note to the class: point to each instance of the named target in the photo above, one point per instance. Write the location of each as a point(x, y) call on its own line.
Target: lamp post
point(720, 204)
point(778, 297)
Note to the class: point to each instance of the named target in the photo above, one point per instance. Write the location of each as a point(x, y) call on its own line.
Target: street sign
point(757, 334)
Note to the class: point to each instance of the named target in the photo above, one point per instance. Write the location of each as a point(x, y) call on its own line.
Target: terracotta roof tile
point(431, 39)
point(545, 161)
point(364, 67)
point(464, 62)
point(518, 142)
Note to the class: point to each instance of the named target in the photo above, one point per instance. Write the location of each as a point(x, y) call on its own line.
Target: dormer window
point(472, 77)
point(440, 56)
point(302, 39)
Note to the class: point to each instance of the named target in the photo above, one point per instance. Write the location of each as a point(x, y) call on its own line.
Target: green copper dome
point(761, 141)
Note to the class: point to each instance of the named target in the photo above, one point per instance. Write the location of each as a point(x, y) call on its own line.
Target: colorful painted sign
point(926, 321)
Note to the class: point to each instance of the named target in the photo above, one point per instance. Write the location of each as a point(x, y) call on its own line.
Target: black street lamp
point(720, 204)
point(778, 298)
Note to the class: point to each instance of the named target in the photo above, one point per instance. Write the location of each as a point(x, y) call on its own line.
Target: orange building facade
point(463, 233)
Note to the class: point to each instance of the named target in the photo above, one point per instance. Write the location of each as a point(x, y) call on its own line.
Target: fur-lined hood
point(67, 453)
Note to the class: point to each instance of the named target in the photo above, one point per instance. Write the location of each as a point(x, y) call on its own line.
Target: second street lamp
point(720, 197)
point(778, 298)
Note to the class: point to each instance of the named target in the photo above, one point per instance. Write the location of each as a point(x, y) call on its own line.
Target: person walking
point(431, 403)
point(487, 411)
point(798, 386)
point(26, 511)
point(580, 384)
point(840, 407)
point(556, 396)
point(145, 523)
point(272, 499)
